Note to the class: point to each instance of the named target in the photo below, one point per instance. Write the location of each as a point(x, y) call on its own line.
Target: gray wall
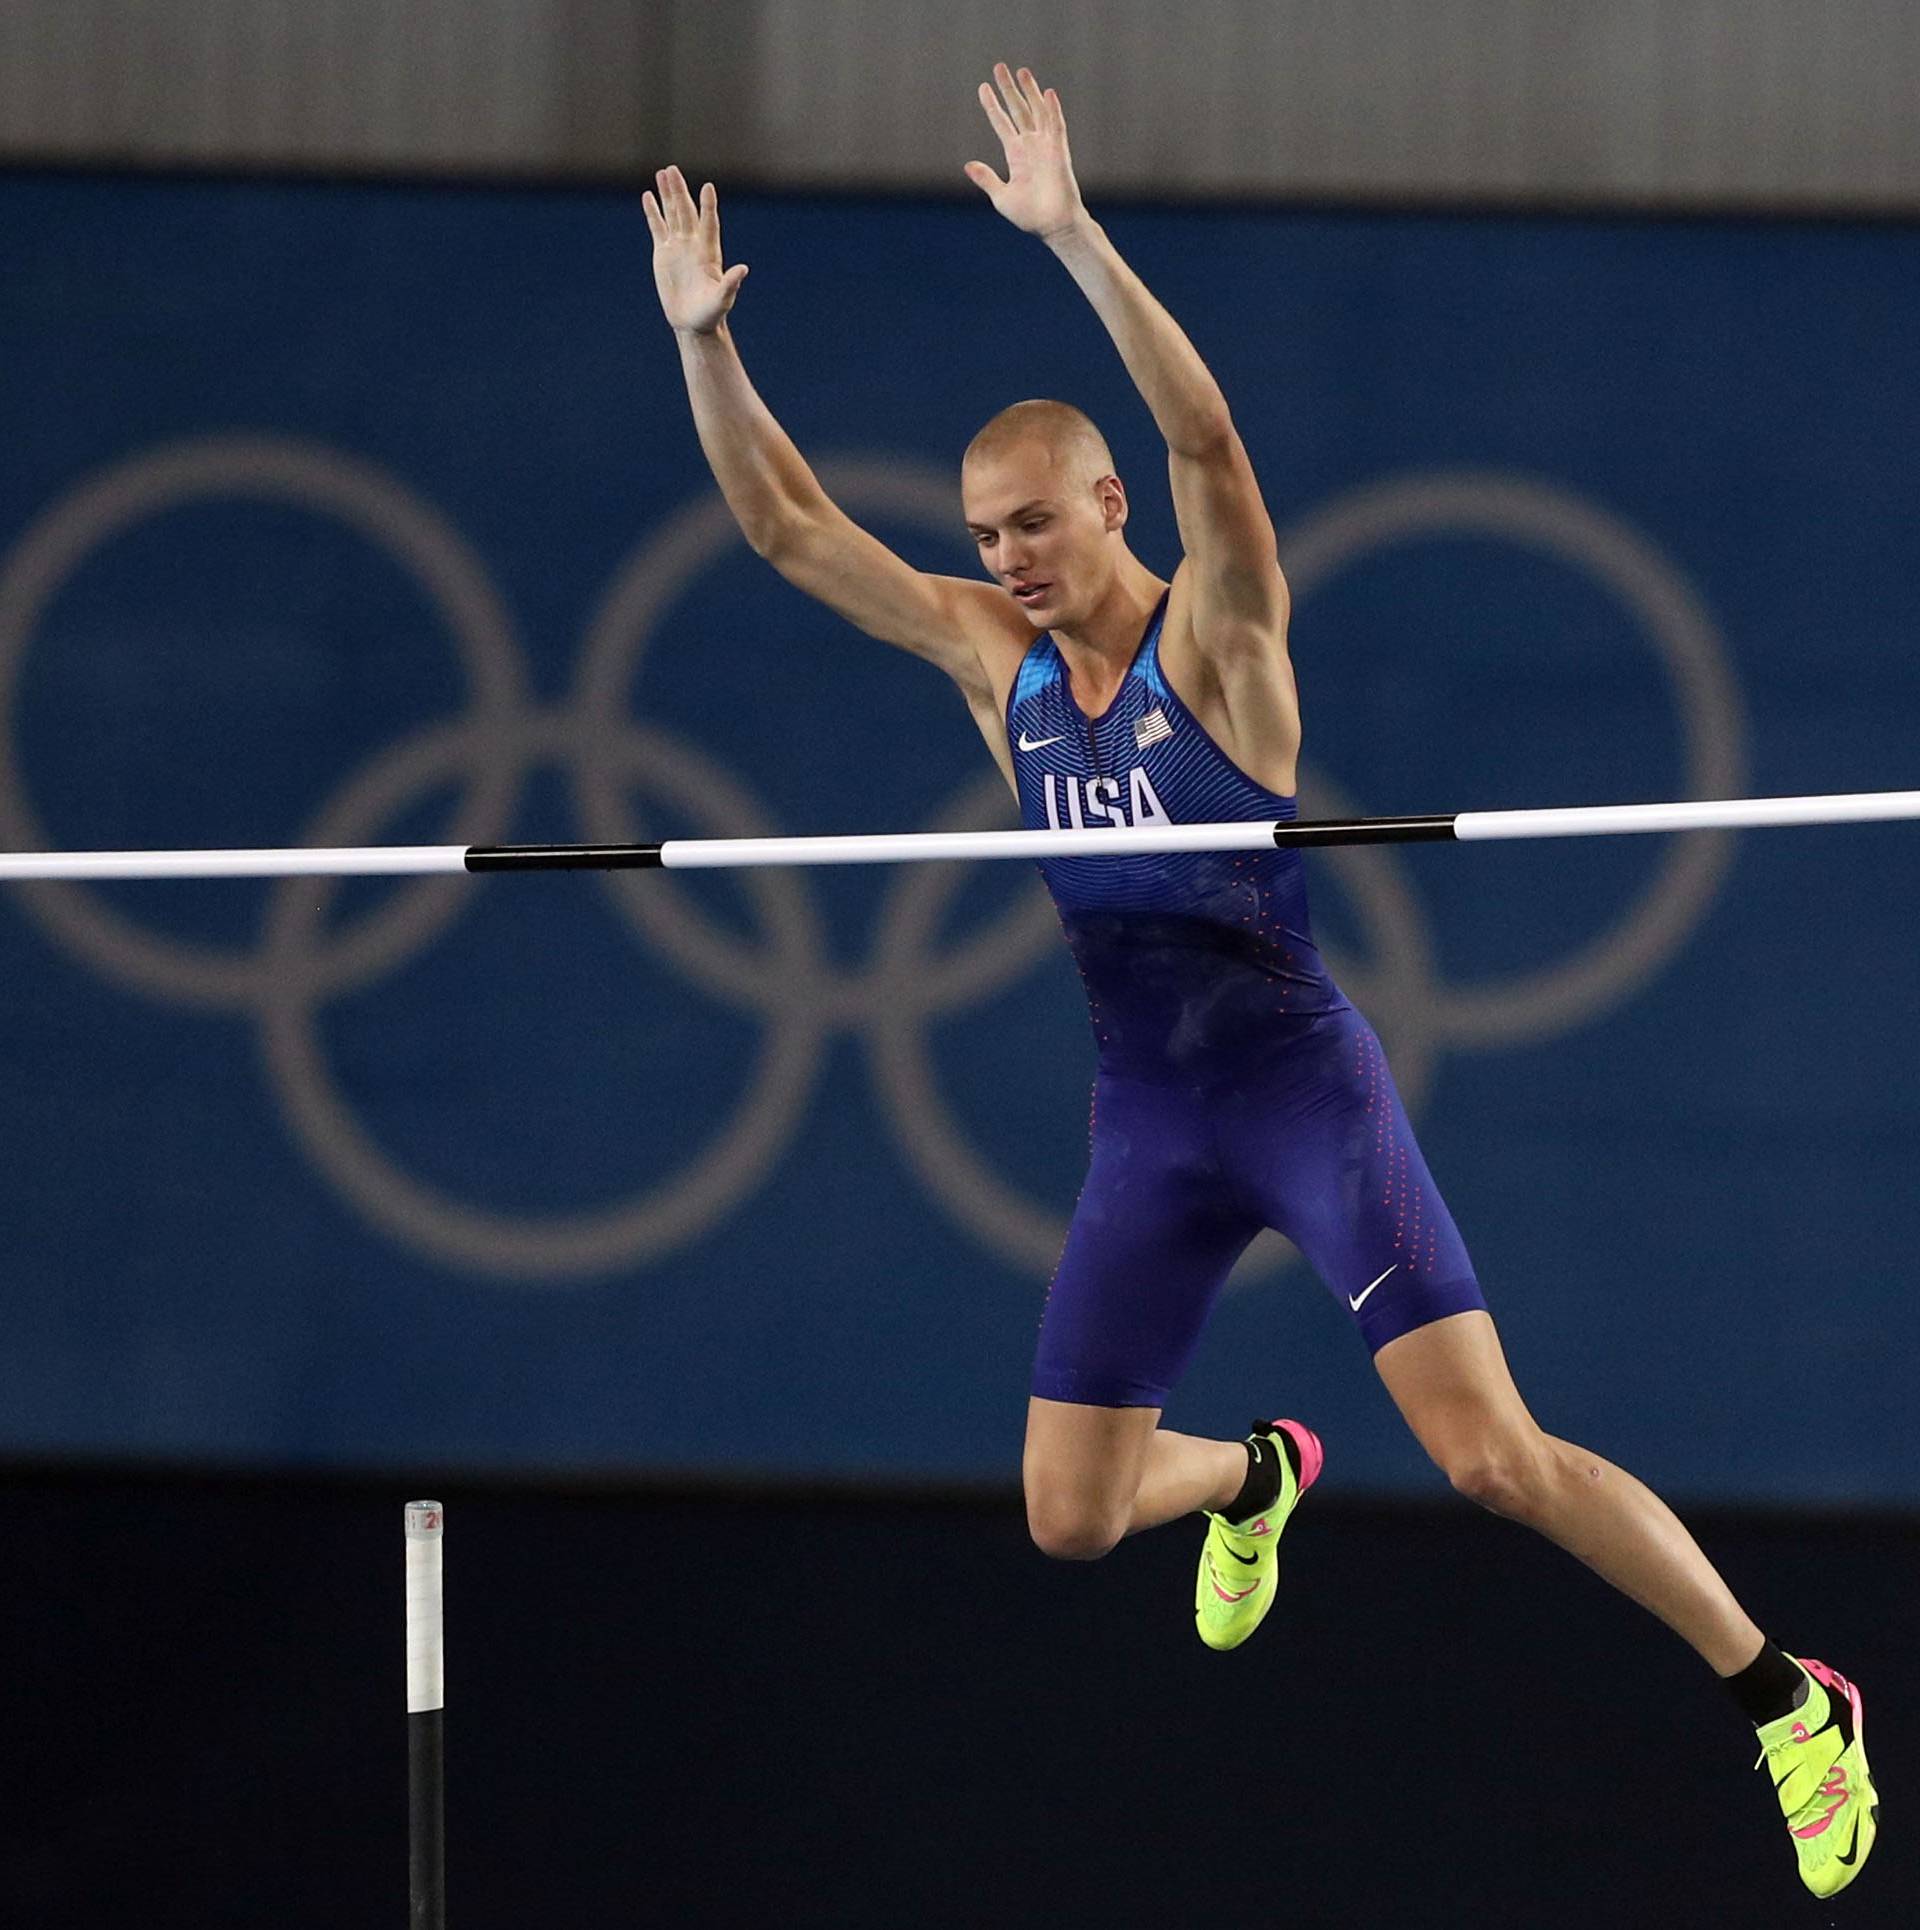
point(462, 85)
point(1715, 102)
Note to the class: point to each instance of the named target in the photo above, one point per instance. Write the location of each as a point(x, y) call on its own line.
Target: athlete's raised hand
point(1039, 194)
point(695, 290)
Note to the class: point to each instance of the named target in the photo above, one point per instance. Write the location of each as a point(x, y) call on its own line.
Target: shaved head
point(1079, 451)
point(1045, 509)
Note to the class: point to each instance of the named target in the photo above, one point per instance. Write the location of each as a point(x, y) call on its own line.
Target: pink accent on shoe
point(1313, 1457)
point(1833, 1679)
point(1836, 1784)
point(1836, 1787)
point(1227, 1594)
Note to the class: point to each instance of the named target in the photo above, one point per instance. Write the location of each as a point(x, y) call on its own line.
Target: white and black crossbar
point(1121, 841)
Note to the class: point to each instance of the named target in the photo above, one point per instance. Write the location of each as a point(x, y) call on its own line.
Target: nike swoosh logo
point(1853, 1852)
point(1357, 1300)
point(1250, 1560)
point(1038, 744)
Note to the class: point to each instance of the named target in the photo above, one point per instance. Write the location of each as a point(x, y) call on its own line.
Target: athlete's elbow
point(776, 532)
point(1203, 432)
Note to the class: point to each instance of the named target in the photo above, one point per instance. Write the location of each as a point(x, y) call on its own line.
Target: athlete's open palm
point(1039, 193)
point(695, 290)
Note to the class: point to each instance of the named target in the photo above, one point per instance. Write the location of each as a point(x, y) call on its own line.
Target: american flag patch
point(1151, 728)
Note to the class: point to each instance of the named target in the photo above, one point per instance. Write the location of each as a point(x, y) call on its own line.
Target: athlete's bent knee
point(1072, 1532)
point(1505, 1478)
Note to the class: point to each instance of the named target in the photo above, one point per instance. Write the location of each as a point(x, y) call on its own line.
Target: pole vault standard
point(426, 1717)
point(1121, 841)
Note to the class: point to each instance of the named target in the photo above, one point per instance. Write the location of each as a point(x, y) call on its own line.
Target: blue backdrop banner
point(362, 515)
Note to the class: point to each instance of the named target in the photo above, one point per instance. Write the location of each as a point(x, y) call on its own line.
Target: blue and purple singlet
point(1236, 1088)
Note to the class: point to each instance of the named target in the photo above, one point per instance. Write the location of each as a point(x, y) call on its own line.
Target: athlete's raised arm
point(783, 511)
point(1240, 596)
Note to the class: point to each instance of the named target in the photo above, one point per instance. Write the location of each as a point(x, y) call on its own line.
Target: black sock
point(1261, 1489)
point(1772, 1685)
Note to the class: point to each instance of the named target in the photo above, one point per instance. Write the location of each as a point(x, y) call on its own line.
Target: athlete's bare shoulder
point(993, 637)
point(1240, 686)
point(1006, 635)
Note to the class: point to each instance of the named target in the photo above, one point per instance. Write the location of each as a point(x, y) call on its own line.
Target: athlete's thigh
point(1153, 1237)
point(1329, 1152)
point(1451, 1383)
point(1089, 1458)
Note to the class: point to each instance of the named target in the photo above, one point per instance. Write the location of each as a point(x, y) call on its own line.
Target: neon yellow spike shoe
point(1240, 1564)
point(1819, 1767)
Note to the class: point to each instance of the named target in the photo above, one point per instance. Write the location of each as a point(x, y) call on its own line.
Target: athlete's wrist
point(717, 332)
point(1078, 230)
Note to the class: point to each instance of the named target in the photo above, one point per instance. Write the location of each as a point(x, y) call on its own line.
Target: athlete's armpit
point(1238, 681)
point(1236, 582)
point(1230, 649)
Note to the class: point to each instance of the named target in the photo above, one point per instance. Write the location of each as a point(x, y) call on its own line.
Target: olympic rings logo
point(784, 978)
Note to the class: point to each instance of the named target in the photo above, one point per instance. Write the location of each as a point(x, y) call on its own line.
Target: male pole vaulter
point(1237, 1088)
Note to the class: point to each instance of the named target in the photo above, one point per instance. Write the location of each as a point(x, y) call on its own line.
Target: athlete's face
point(1048, 536)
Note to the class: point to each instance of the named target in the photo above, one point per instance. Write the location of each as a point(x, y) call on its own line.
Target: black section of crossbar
point(563, 857)
point(1364, 831)
point(426, 1820)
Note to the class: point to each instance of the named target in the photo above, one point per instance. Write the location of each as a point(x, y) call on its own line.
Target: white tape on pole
point(1699, 814)
point(426, 1660)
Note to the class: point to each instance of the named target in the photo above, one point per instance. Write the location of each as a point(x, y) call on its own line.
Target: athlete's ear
point(1113, 502)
